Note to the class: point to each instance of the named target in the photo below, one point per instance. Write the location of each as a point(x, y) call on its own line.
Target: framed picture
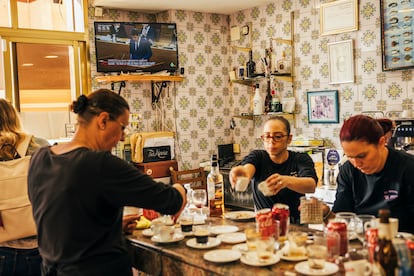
point(323, 106)
point(338, 17)
point(397, 34)
point(341, 61)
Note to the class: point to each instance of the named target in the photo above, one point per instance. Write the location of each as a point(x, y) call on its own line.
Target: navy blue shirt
point(298, 164)
point(392, 188)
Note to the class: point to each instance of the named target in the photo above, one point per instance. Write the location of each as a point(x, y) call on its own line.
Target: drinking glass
point(350, 219)
point(363, 222)
point(199, 197)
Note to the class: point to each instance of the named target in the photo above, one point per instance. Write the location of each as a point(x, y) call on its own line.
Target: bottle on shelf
point(250, 66)
point(257, 102)
point(215, 189)
point(276, 106)
point(268, 99)
point(283, 65)
point(385, 254)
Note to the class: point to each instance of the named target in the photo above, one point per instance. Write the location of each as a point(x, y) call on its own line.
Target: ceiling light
point(27, 64)
point(51, 56)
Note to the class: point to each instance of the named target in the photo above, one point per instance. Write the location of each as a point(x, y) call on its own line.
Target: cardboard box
point(157, 169)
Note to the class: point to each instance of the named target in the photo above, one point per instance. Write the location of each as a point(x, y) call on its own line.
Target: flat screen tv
point(136, 47)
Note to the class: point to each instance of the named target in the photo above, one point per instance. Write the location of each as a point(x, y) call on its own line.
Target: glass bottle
point(268, 99)
point(385, 254)
point(257, 102)
point(215, 190)
point(250, 66)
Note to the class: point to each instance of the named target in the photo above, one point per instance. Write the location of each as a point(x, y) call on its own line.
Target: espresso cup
point(264, 189)
point(167, 232)
point(242, 183)
point(358, 268)
point(186, 223)
point(317, 255)
point(201, 234)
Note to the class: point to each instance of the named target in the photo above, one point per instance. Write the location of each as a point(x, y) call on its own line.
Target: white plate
point(222, 255)
point(147, 233)
point(405, 235)
point(212, 242)
point(293, 259)
point(237, 237)
point(223, 229)
point(242, 247)
point(250, 258)
point(329, 269)
point(240, 215)
point(176, 238)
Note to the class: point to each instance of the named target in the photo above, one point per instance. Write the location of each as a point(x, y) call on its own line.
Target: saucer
point(222, 255)
point(240, 215)
point(223, 229)
point(175, 238)
point(237, 237)
point(329, 269)
point(212, 242)
point(293, 258)
point(250, 258)
point(147, 233)
point(242, 247)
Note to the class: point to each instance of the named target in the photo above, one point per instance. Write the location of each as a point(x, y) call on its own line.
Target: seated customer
point(375, 176)
point(288, 174)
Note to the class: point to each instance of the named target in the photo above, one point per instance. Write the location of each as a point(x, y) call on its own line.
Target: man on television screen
point(140, 46)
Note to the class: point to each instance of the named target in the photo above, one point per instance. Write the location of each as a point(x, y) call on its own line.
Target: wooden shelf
point(119, 78)
point(288, 116)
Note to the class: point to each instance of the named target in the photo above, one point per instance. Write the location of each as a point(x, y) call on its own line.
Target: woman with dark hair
point(288, 175)
point(374, 176)
point(78, 190)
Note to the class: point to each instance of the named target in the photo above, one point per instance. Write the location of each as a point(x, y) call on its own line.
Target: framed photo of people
point(397, 34)
point(323, 106)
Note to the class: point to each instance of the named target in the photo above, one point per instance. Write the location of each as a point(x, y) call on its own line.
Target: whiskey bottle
point(385, 254)
point(215, 190)
point(250, 66)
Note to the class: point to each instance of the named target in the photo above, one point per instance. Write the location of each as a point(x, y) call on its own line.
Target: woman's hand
point(129, 222)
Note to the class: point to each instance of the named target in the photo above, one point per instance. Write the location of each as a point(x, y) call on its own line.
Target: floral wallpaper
point(199, 109)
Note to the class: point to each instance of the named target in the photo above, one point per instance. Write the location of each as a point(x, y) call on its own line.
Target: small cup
point(251, 237)
point(297, 241)
point(186, 223)
point(358, 268)
point(167, 232)
point(264, 189)
point(156, 225)
point(201, 233)
point(265, 248)
point(317, 255)
point(242, 183)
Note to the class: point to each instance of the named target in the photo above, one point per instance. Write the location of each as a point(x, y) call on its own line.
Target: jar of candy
point(281, 213)
point(265, 224)
point(339, 226)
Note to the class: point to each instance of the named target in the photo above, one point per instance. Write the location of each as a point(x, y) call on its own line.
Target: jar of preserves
point(281, 213)
point(339, 226)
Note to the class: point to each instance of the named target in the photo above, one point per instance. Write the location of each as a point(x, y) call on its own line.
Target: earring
point(102, 127)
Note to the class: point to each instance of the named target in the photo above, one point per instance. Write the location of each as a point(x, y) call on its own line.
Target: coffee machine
point(403, 136)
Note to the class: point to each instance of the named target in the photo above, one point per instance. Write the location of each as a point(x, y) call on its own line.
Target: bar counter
point(179, 259)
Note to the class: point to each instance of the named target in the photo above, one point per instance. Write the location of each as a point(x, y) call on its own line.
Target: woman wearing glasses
point(288, 175)
point(78, 190)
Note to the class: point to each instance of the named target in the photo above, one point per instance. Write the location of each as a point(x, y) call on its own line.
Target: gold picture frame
point(338, 17)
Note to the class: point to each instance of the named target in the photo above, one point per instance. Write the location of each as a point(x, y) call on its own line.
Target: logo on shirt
point(390, 194)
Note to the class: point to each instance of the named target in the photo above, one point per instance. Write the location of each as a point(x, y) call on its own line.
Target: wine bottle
point(268, 99)
point(385, 254)
point(250, 66)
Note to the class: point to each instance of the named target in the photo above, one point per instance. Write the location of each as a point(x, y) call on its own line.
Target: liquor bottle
point(385, 254)
point(215, 190)
point(257, 102)
point(283, 65)
point(268, 99)
point(250, 66)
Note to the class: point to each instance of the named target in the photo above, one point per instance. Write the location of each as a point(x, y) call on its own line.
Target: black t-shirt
point(78, 199)
point(392, 188)
point(297, 164)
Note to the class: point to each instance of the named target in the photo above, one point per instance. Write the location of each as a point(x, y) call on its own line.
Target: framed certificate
point(341, 61)
point(338, 17)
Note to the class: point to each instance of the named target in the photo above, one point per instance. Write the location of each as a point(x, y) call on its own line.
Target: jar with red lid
point(339, 226)
point(281, 213)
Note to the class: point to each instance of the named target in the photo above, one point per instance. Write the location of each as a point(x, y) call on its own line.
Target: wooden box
point(157, 169)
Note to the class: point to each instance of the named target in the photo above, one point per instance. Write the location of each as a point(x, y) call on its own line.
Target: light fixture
point(51, 56)
point(27, 64)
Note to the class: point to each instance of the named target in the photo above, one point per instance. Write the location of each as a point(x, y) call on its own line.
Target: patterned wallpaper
point(200, 108)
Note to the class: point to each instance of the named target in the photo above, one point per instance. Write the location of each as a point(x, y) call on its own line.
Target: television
point(136, 47)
